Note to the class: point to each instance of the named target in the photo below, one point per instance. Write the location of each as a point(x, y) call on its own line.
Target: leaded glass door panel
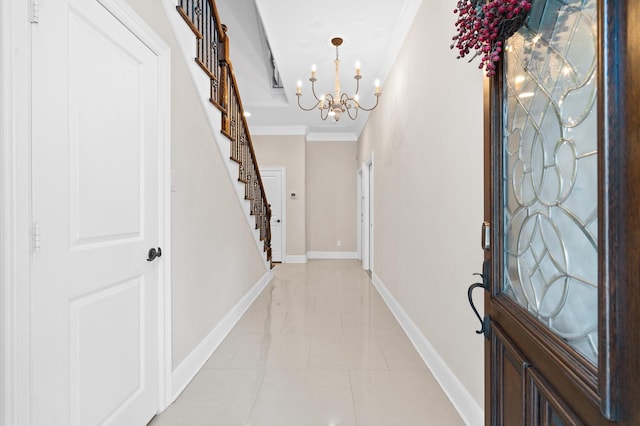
point(551, 172)
point(562, 199)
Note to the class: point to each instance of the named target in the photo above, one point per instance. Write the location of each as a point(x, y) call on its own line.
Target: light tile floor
point(318, 347)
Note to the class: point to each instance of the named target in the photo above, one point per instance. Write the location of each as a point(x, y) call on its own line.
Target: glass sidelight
point(550, 177)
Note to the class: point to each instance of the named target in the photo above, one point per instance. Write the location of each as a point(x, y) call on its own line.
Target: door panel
point(545, 406)
point(96, 158)
point(562, 196)
point(104, 158)
point(508, 380)
point(99, 385)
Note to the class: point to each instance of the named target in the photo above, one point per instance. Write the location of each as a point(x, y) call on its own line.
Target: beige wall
point(331, 196)
point(288, 152)
point(323, 176)
point(426, 136)
point(215, 258)
point(427, 140)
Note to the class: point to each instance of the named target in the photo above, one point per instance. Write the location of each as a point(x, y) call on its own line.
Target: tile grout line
point(353, 398)
point(261, 368)
point(255, 399)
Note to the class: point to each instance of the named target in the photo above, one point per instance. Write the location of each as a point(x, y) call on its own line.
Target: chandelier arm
point(313, 88)
point(349, 104)
point(307, 109)
point(357, 84)
point(324, 113)
point(353, 117)
point(330, 100)
point(373, 107)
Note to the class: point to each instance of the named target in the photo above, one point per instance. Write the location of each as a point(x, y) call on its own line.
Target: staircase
point(212, 56)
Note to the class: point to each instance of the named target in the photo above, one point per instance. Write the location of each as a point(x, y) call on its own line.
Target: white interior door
point(274, 186)
point(96, 211)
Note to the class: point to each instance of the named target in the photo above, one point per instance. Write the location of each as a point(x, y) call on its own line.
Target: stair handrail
point(213, 58)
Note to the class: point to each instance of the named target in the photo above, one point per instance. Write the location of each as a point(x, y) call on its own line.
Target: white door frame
point(364, 223)
point(359, 212)
point(365, 177)
point(283, 199)
point(15, 172)
point(15, 203)
point(371, 213)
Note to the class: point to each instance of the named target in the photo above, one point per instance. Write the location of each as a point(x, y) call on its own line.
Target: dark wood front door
point(562, 211)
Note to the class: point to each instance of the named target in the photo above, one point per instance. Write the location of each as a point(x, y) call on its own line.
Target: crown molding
point(302, 131)
point(278, 130)
point(332, 137)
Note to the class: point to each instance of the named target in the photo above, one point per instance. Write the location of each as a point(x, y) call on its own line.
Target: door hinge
point(36, 237)
point(35, 11)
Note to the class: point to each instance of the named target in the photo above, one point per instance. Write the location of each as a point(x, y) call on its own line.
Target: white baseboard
point(332, 255)
point(470, 411)
point(191, 365)
point(301, 258)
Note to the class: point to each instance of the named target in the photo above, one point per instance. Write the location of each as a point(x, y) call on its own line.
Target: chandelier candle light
point(337, 103)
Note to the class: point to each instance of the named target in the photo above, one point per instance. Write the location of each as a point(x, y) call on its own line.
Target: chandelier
point(334, 105)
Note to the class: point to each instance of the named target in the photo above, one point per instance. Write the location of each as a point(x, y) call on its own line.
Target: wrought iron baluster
point(212, 54)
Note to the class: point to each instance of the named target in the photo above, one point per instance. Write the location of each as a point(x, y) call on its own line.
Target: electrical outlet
point(339, 243)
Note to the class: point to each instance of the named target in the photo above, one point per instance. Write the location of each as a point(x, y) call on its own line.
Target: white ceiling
point(299, 34)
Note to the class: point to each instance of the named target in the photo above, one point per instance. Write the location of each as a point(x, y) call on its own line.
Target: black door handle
point(153, 253)
point(278, 221)
point(484, 329)
point(473, 306)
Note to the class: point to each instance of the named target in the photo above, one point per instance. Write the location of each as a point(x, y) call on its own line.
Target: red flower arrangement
point(483, 28)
